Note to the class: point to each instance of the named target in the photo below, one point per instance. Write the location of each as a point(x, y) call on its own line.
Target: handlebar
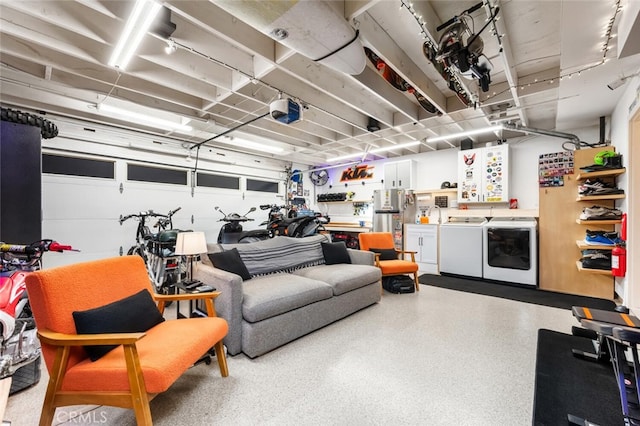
point(148, 213)
point(235, 219)
point(35, 248)
point(54, 246)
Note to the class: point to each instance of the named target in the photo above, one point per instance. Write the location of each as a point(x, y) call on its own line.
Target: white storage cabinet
point(399, 174)
point(423, 239)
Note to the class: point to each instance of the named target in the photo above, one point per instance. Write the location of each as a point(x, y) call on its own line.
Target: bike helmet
point(600, 157)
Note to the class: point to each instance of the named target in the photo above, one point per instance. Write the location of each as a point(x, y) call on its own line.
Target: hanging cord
point(355, 37)
point(113, 87)
point(226, 132)
point(199, 144)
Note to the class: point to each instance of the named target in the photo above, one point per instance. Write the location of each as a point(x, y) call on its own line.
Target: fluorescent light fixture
point(243, 143)
point(136, 117)
point(143, 14)
point(466, 133)
point(375, 151)
point(392, 147)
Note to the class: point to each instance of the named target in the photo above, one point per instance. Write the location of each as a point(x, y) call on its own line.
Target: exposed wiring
point(255, 80)
point(572, 145)
point(605, 49)
point(113, 87)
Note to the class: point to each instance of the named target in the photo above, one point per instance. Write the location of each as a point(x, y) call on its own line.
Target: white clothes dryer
point(510, 250)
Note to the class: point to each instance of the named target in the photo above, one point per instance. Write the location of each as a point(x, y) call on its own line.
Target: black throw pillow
point(335, 253)
point(133, 314)
point(230, 261)
point(385, 254)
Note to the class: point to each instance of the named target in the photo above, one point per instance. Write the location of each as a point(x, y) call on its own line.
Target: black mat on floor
point(515, 292)
point(565, 384)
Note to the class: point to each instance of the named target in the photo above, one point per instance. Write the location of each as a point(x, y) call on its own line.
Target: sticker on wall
point(469, 159)
point(552, 168)
point(360, 172)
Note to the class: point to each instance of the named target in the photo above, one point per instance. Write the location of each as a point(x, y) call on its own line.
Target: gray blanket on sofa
point(280, 254)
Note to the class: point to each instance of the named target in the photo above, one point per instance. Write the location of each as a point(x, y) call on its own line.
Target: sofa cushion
point(271, 295)
point(342, 277)
point(280, 254)
point(136, 313)
point(230, 261)
point(335, 253)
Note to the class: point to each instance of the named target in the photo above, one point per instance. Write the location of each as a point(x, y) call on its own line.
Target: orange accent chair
point(143, 365)
point(400, 266)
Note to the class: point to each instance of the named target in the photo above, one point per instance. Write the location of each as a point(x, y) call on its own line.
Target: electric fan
point(319, 177)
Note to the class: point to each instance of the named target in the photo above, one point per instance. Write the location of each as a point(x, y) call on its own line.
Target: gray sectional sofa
point(291, 292)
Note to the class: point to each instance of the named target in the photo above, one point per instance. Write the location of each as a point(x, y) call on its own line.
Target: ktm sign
point(357, 173)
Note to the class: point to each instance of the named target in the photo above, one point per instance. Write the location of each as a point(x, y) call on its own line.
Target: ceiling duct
point(529, 130)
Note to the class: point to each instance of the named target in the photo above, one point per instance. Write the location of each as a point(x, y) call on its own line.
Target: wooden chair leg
point(139, 396)
point(55, 384)
point(415, 279)
point(222, 359)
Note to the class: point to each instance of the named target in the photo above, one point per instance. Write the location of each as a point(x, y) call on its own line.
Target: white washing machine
point(510, 250)
point(461, 246)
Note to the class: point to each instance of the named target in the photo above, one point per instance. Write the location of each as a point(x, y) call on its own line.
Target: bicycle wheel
point(136, 250)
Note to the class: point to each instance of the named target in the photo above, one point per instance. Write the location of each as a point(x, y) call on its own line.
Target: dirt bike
point(460, 47)
point(232, 232)
point(279, 222)
point(157, 249)
point(20, 348)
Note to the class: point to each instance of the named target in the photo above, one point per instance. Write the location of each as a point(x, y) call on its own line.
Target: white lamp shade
point(190, 243)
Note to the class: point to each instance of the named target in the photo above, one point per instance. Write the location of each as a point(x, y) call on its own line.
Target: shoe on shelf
point(600, 213)
point(598, 187)
point(602, 238)
point(589, 253)
point(600, 260)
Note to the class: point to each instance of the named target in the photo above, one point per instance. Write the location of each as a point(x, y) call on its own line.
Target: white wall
point(627, 106)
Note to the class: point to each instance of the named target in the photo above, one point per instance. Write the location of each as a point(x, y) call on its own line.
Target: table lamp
point(190, 244)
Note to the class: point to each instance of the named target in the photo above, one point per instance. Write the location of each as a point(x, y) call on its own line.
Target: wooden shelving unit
point(582, 245)
point(600, 197)
point(602, 173)
point(598, 222)
point(593, 271)
point(561, 232)
point(436, 191)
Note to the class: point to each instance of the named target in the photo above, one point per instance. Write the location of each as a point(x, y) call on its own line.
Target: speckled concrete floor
point(437, 357)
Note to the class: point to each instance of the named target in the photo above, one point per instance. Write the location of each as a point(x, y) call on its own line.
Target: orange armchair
point(399, 266)
point(143, 365)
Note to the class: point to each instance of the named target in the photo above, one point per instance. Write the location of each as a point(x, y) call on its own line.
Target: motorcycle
point(232, 232)
point(290, 224)
point(460, 47)
point(20, 348)
point(157, 249)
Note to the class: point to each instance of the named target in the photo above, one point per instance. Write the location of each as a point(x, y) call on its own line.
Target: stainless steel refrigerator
point(392, 208)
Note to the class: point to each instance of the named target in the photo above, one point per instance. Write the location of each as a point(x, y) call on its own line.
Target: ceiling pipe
point(529, 130)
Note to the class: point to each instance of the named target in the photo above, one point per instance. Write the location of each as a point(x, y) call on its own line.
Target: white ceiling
point(225, 73)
